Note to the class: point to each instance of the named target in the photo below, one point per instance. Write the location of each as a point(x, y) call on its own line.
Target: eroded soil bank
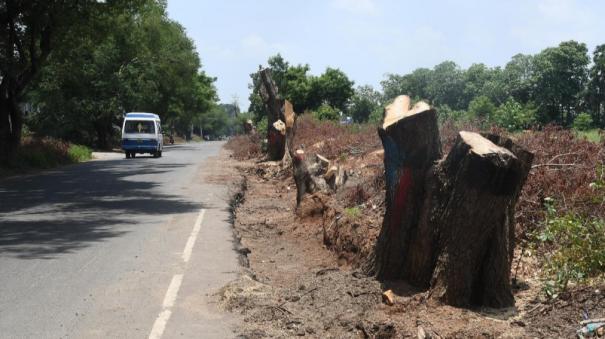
point(296, 286)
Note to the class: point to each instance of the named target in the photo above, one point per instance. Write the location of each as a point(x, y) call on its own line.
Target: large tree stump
point(449, 224)
point(410, 138)
point(276, 135)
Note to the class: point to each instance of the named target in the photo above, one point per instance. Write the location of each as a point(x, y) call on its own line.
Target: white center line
point(191, 241)
point(160, 323)
point(175, 284)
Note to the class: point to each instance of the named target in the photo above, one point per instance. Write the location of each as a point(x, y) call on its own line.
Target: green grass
point(79, 153)
point(353, 212)
point(593, 135)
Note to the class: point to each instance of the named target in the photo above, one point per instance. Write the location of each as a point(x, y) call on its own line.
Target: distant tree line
point(563, 85)
point(80, 65)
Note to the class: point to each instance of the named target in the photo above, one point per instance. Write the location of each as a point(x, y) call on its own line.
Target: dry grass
point(245, 147)
point(564, 167)
point(335, 141)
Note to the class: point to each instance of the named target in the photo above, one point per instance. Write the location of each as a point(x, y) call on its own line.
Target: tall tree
point(334, 88)
point(596, 87)
point(560, 77)
point(518, 75)
point(365, 101)
point(121, 60)
point(446, 86)
point(414, 84)
point(28, 30)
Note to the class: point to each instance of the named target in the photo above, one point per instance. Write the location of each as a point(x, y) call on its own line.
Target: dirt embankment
point(297, 286)
point(305, 268)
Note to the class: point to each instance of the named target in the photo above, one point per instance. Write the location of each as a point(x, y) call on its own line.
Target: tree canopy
point(97, 61)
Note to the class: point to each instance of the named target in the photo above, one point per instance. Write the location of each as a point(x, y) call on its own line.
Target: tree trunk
point(11, 124)
point(276, 140)
point(411, 143)
point(449, 225)
point(290, 131)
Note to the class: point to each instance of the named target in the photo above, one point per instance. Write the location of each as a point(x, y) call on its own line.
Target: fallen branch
point(553, 165)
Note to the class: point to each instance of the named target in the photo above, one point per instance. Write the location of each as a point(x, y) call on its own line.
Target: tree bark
point(474, 220)
point(410, 138)
point(276, 140)
point(11, 123)
point(449, 224)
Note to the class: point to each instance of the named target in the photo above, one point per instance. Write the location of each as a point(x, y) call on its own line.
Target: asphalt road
point(118, 248)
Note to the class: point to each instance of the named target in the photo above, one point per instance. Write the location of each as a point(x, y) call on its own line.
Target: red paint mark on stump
point(403, 188)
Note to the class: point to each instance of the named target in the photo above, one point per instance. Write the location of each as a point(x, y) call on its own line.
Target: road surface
point(117, 248)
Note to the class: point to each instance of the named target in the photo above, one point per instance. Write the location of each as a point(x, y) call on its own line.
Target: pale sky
point(369, 38)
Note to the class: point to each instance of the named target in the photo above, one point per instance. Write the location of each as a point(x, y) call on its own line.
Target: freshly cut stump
point(449, 224)
point(410, 138)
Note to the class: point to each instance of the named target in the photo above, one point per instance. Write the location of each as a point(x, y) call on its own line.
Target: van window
point(139, 126)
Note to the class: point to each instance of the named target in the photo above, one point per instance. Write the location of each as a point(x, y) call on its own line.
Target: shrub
point(46, 153)
point(353, 212)
point(481, 108)
point(513, 116)
point(245, 146)
point(582, 122)
point(79, 153)
point(445, 113)
point(261, 127)
point(376, 115)
point(326, 112)
point(578, 252)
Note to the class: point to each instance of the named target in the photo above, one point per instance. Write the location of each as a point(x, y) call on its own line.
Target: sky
point(370, 38)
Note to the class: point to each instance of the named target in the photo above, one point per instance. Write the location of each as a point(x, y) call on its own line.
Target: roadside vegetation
point(71, 70)
point(45, 153)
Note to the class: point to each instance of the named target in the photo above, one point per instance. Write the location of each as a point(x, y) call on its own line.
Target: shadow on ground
point(65, 210)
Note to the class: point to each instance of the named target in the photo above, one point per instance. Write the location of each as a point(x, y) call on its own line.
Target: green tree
point(414, 84)
point(560, 77)
point(446, 86)
point(365, 101)
point(596, 87)
point(124, 60)
point(332, 87)
point(514, 116)
point(30, 31)
point(482, 108)
point(518, 76)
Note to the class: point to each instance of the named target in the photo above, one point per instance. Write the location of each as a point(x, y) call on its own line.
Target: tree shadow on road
point(64, 210)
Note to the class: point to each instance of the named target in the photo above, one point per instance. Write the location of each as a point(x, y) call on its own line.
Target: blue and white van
point(142, 133)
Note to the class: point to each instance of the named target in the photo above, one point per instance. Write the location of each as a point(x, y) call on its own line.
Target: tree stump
point(276, 139)
point(249, 127)
point(315, 173)
point(410, 138)
point(449, 223)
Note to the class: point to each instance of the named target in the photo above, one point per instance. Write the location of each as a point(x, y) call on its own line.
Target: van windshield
point(139, 126)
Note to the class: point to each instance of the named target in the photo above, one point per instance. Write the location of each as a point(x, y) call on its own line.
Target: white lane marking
point(191, 241)
point(175, 284)
point(173, 290)
point(160, 322)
